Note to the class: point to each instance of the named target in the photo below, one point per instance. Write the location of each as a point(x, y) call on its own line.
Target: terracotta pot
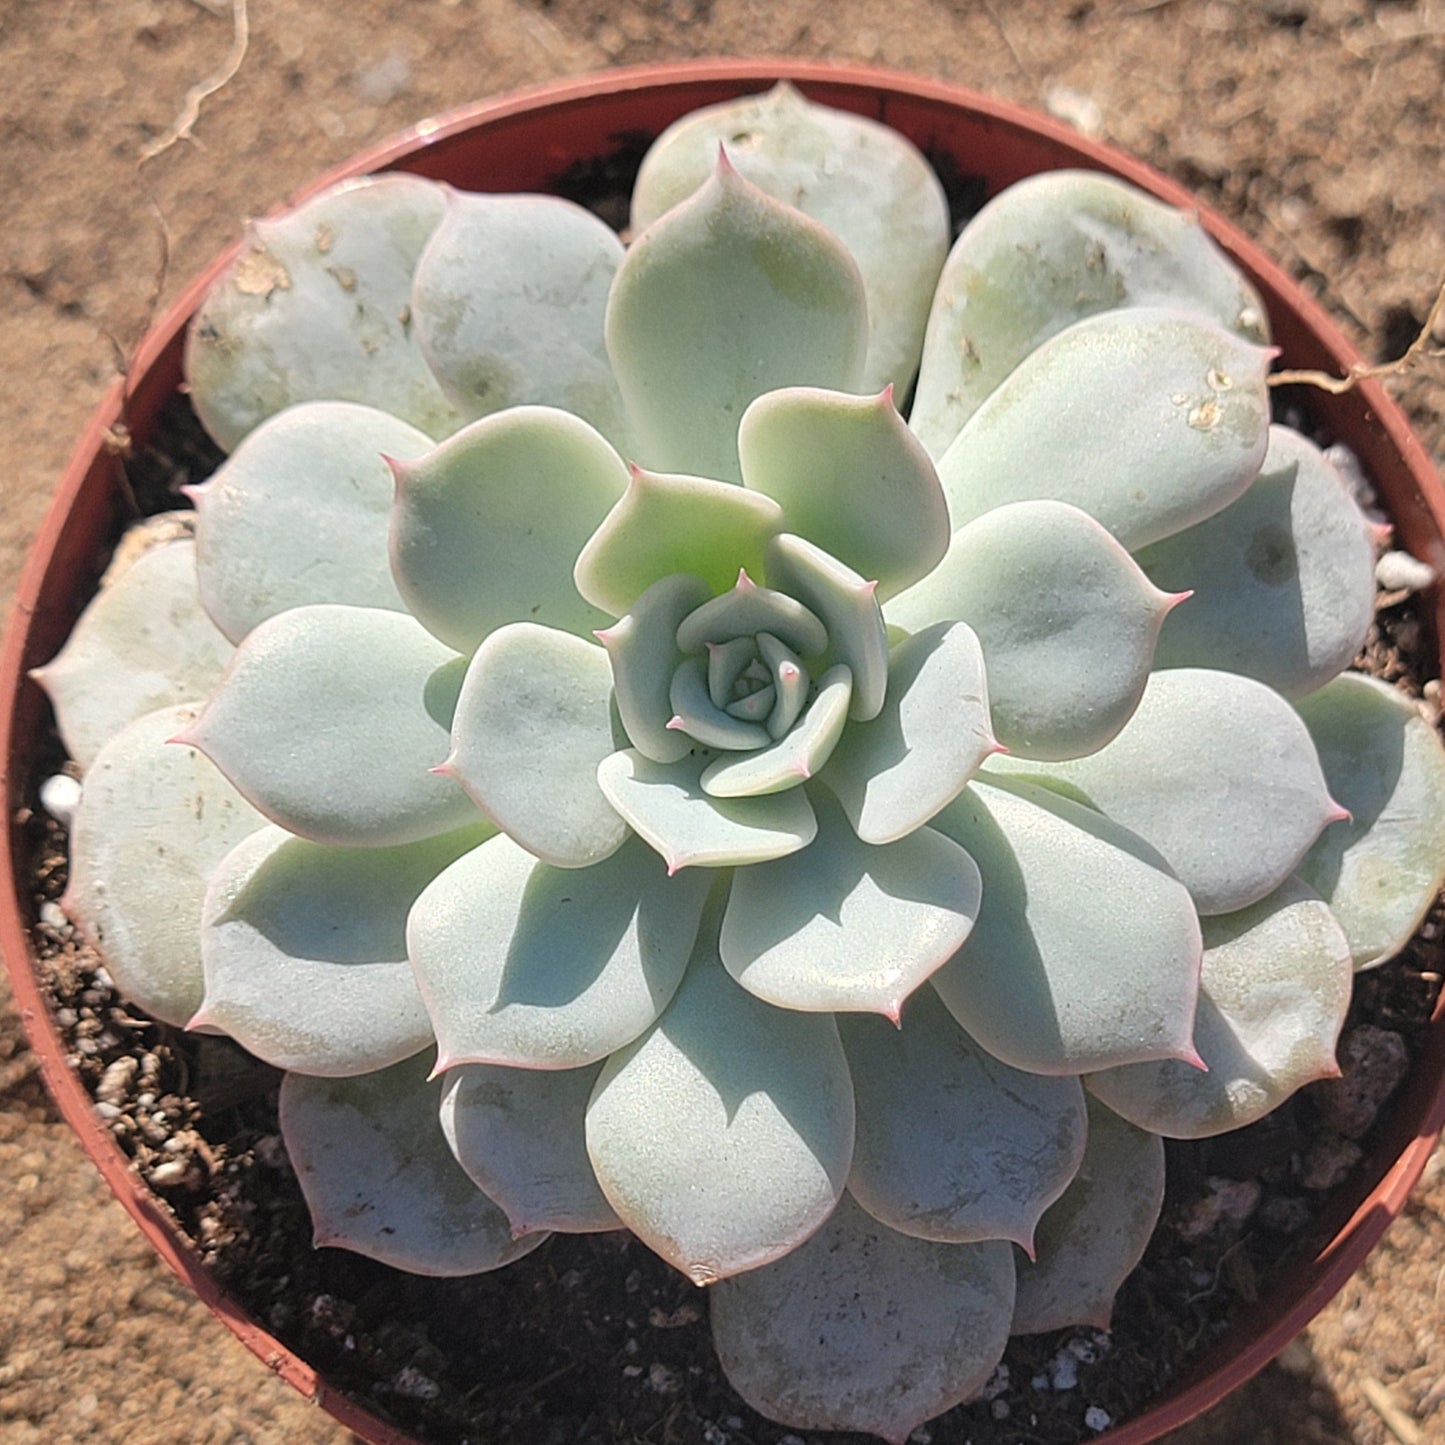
point(523, 142)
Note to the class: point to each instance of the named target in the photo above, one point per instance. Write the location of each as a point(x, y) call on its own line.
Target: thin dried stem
point(203, 90)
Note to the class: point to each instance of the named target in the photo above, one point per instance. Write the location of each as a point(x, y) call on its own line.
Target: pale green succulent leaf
point(866, 1329)
point(701, 719)
point(722, 1137)
point(665, 524)
point(299, 513)
point(1086, 950)
point(1049, 251)
point(1218, 773)
point(331, 719)
point(1066, 620)
point(1088, 1243)
point(1380, 869)
point(379, 1179)
point(143, 642)
point(534, 967)
point(520, 1135)
point(867, 183)
point(729, 295)
point(845, 926)
point(1272, 999)
point(1283, 580)
point(304, 950)
point(486, 528)
point(953, 1145)
point(894, 773)
point(851, 478)
point(668, 806)
point(532, 723)
point(153, 822)
point(317, 307)
point(1149, 420)
point(507, 306)
point(747, 609)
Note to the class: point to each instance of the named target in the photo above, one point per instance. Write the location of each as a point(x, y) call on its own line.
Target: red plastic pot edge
point(81, 518)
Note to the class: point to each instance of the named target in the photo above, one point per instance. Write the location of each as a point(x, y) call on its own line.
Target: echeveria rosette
point(758, 944)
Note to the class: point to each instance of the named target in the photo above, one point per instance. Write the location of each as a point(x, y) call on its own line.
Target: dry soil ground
point(1318, 124)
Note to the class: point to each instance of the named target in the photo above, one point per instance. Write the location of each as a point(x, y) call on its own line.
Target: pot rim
point(1308, 335)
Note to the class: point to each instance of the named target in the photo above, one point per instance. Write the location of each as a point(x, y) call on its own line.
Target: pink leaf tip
point(675, 724)
point(1338, 814)
point(398, 469)
point(725, 167)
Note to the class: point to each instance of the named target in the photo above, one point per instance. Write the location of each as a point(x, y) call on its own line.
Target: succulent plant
point(656, 785)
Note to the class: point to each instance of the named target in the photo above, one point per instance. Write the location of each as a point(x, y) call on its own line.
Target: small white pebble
point(1081, 111)
point(1064, 1371)
point(1400, 572)
point(921, 1436)
point(1097, 1419)
point(999, 1409)
point(714, 1434)
point(60, 797)
point(997, 1382)
point(52, 915)
point(664, 1380)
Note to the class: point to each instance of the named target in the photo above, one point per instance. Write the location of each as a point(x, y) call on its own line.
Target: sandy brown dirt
point(1317, 124)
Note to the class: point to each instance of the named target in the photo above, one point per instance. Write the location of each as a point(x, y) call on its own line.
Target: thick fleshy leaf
point(729, 295)
point(953, 1145)
point(154, 820)
point(846, 926)
point(507, 306)
point(379, 1179)
point(696, 715)
point(722, 1137)
point(851, 478)
point(667, 805)
point(330, 720)
point(144, 642)
point(894, 773)
point(520, 1135)
point(317, 307)
point(487, 527)
point(1093, 1237)
point(1218, 773)
point(746, 610)
point(1283, 579)
point(1149, 420)
point(865, 1329)
point(535, 967)
point(665, 524)
point(862, 180)
point(1086, 950)
point(1272, 999)
point(299, 514)
point(532, 723)
point(304, 950)
point(1379, 870)
point(1049, 251)
point(1066, 620)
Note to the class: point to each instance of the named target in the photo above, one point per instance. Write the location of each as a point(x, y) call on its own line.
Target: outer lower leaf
point(953, 1145)
point(851, 478)
point(304, 949)
point(865, 1329)
point(1272, 999)
point(1046, 252)
point(534, 967)
point(1150, 420)
point(1094, 1236)
point(507, 304)
point(317, 308)
point(379, 1179)
point(486, 528)
point(729, 295)
point(1218, 773)
point(144, 642)
point(1379, 870)
point(299, 514)
point(894, 773)
point(519, 1134)
point(722, 1137)
point(667, 805)
point(532, 724)
point(669, 524)
point(1086, 951)
point(862, 180)
point(330, 720)
point(154, 820)
point(845, 926)
point(1283, 579)
point(1066, 620)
